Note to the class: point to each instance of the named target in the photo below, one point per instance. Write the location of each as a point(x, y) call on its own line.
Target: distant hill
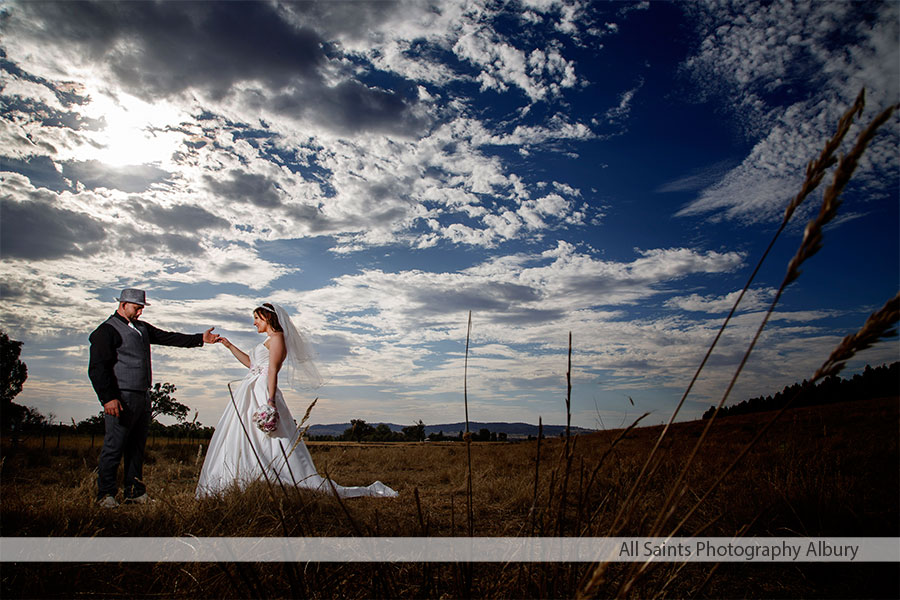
point(513, 430)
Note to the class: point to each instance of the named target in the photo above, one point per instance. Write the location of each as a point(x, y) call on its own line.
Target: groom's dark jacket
point(120, 355)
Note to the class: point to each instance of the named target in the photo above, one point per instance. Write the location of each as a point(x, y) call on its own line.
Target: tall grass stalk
point(815, 172)
point(464, 572)
point(290, 570)
point(568, 447)
point(287, 464)
point(569, 391)
point(878, 326)
point(356, 528)
point(269, 486)
point(304, 429)
point(470, 515)
point(250, 441)
point(622, 434)
point(423, 528)
point(811, 243)
point(809, 246)
point(537, 469)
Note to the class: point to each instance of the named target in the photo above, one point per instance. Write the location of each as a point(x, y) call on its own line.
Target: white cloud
point(501, 64)
point(533, 211)
point(702, 178)
point(620, 113)
point(531, 135)
point(754, 299)
point(634, 6)
point(756, 55)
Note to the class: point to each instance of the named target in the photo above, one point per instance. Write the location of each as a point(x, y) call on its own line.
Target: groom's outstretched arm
point(171, 338)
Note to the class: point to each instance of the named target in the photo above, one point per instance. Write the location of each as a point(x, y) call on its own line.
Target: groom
point(120, 372)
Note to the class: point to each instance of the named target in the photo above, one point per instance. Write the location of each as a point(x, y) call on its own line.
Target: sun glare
point(136, 133)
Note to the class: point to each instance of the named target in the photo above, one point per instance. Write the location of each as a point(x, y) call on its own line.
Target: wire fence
point(60, 437)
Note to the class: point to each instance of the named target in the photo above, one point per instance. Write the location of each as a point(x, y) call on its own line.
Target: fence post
point(58, 434)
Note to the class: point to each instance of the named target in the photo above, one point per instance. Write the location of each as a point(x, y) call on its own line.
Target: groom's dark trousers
point(126, 436)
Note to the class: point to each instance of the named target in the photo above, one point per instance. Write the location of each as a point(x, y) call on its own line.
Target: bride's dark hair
point(267, 313)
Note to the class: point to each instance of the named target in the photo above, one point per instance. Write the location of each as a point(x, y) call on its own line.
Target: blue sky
point(380, 169)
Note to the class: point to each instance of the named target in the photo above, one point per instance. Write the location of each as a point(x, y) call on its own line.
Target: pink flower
point(266, 419)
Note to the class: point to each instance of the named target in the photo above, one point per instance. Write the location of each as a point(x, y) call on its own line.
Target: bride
point(256, 438)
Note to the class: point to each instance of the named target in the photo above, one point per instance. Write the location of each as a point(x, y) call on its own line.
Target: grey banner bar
point(412, 549)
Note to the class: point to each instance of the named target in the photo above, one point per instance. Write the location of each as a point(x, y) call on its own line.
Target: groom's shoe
point(107, 502)
point(142, 499)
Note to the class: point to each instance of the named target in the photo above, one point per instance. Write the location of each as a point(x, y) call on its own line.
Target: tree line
point(161, 402)
point(878, 382)
point(360, 431)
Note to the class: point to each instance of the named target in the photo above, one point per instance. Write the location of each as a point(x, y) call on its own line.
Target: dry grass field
point(820, 471)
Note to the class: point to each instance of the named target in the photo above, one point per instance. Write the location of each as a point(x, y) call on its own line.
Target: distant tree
point(13, 374)
point(483, 435)
point(440, 437)
point(382, 433)
point(879, 382)
point(33, 419)
point(415, 433)
point(358, 430)
point(13, 371)
point(192, 428)
point(95, 424)
point(186, 428)
point(162, 403)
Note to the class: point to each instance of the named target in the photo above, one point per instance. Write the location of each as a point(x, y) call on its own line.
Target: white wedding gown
point(231, 460)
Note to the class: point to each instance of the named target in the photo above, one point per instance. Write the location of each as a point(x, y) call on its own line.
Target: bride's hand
point(224, 341)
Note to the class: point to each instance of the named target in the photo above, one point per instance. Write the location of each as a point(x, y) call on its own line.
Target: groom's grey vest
point(132, 368)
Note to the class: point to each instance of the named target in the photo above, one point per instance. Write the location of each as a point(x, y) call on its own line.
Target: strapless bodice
point(259, 359)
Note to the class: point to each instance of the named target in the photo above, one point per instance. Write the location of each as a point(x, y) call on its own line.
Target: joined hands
point(209, 337)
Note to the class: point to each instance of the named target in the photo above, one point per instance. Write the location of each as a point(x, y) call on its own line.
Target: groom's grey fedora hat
point(134, 296)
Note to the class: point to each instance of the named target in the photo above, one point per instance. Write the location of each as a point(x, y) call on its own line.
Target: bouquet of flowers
point(266, 419)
